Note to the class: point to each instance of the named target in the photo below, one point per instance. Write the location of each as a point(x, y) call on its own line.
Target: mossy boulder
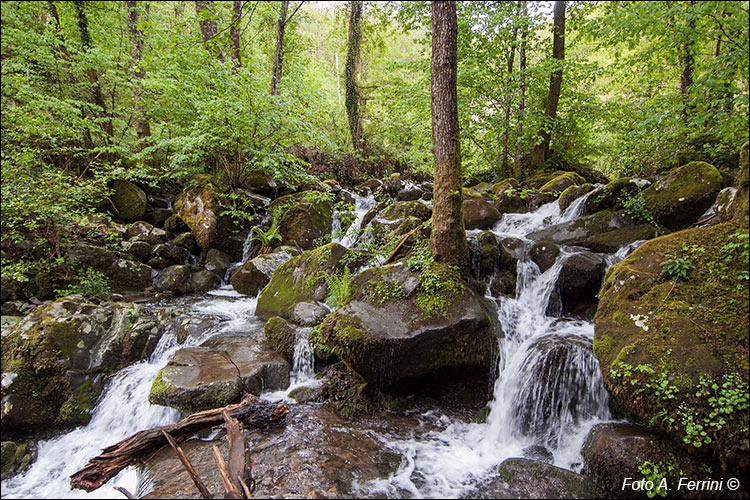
point(16, 457)
point(524, 478)
point(610, 196)
point(52, 357)
point(742, 183)
point(683, 194)
point(612, 241)
point(479, 214)
point(185, 280)
point(128, 200)
point(300, 279)
point(486, 254)
point(201, 209)
point(218, 372)
point(260, 182)
point(281, 335)
point(404, 209)
point(499, 188)
point(660, 339)
point(307, 218)
point(392, 328)
point(255, 274)
point(574, 232)
point(560, 183)
point(572, 193)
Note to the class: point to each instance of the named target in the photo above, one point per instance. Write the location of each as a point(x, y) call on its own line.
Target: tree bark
point(351, 98)
point(688, 62)
point(517, 170)
point(448, 239)
point(280, 26)
point(541, 151)
point(204, 11)
point(98, 96)
point(234, 31)
point(100, 469)
point(142, 126)
point(504, 163)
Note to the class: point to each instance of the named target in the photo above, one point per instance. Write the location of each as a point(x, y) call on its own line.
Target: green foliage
point(89, 283)
point(676, 267)
point(340, 288)
point(382, 291)
point(656, 473)
point(268, 237)
point(436, 281)
point(635, 208)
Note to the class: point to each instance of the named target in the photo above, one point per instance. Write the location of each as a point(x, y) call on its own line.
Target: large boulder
point(281, 335)
point(16, 457)
point(185, 280)
point(572, 193)
point(394, 328)
point(683, 194)
point(217, 261)
point(404, 209)
point(612, 241)
point(664, 340)
point(579, 280)
point(576, 231)
point(300, 279)
point(128, 200)
point(123, 274)
point(255, 274)
point(560, 183)
point(479, 214)
point(217, 373)
point(306, 218)
point(201, 209)
point(52, 359)
point(544, 254)
point(610, 196)
point(486, 254)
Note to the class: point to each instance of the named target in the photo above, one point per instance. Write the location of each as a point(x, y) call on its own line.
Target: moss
point(620, 318)
point(562, 182)
point(77, 408)
point(384, 291)
point(160, 390)
point(481, 416)
point(281, 336)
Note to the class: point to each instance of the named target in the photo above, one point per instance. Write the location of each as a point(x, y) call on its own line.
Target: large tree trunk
point(541, 150)
point(688, 61)
point(351, 98)
point(98, 96)
point(234, 31)
point(448, 239)
point(207, 23)
point(504, 163)
point(142, 126)
point(517, 170)
point(281, 25)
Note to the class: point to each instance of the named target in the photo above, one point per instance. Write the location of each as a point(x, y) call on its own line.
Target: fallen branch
point(403, 240)
point(188, 467)
point(252, 411)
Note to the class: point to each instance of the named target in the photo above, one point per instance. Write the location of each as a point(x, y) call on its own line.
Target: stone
point(173, 253)
point(174, 279)
point(572, 193)
point(16, 457)
point(307, 218)
point(261, 183)
point(511, 249)
point(128, 200)
point(610, 196)
point(217, 261)
point(488, 254)
point(281, 335)
point(479, 214)
point(387, 332)
point(742, 183)
point(174, 224)
point(544, 254)
point(186, 241)
point(216, 373)
point(579, 280)
point(574, 232)
point(560, 183)
point(255, 274)
point(683, 194)
point(139, 249)
point(159, 216)
point(128, 275)
point(202, 281)
point(404, 209)
point(309, 313)
point(612, 241)
point(723, 204)
point(409, 194)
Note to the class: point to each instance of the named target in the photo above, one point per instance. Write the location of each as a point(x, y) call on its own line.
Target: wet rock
point(85, 255)
point(174, 224)
point(544, 254)
point(612, 241)
point(159, 216)
point(139, 249)
point(404, 209)
point(143, 231)
point(552, 188)
point(128, 200)
point(186, 241)
point(579, 280)
point(173, 253)
point(409, 194)
point(125, 275)
point(309, 313)
point(479, 214)
point(488, 255)
point(678, 199)
point(369, 186)
point(538, 453)
point(202, 281)
point(687, 329)
point(16, 457)
point(255, 274)
point(217, 261)
point(159, 263)
point(281, 335)
point(499, 188)
point(261, 182)
point(610, 197)
point(723, 204)
point(572, 193)
point(511, 249)
point(524, 478)
point(391, 185)
point(384, 333)
point(216, 374)
point(174, 279)
point(574, 232)
point(307, 218)
point(300, 279)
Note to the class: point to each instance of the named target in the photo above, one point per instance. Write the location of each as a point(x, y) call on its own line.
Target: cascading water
point(362, 204)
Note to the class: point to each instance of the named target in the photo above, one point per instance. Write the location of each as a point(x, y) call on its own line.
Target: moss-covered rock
point(561, 182)
point(572, 193)
point(255, 274)
point(16, 457)
point(404, 209)
point(488, 254)
point(683, 194)
point(662, 343)
point(479, 214)
point(128, 200)
point(281, 335)
point(524, 478)
point(300, 279)
point(574, 232)
point(741, 204)
point(307, 218)
point(612, 241)
point(398, 330)
point(499, 188)
point(609, 197)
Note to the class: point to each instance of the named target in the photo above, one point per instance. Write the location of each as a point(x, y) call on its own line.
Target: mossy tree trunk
point(280, 26)
point(504, 171)
point(688, 62)
point(142, 125)
point(351, 98)
point(448, 239)
point(207, 23)
point(541, 150)
point(234, 32)
point(517, 169)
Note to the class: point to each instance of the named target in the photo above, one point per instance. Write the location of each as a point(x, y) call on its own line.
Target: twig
point(124, 491)
point(229, 486)
point(188, 467)
point(403, 240)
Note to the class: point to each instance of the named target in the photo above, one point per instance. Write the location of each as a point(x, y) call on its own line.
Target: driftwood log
point(252, 411)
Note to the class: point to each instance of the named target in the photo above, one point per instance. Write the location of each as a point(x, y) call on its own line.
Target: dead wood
point(403, 240)
point(252, 411)
point(188, 467)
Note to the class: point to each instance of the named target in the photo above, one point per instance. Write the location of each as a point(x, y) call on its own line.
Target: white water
point(123, 409)
point(362, 205)
point(549, 391)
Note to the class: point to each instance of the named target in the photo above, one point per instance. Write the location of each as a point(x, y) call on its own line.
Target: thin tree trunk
point(280, 26)
point(207, 23)
point(448, 239)
point(688, 62)
point(504, 164)
point(142, 126)
point(98, 97)
point(351, 97)
point(234, 31)
point(541, 151)
point(517, 171)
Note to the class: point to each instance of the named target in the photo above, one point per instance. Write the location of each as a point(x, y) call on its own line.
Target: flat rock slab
point(218, 372)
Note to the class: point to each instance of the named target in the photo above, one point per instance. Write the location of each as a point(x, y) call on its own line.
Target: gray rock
point(217, 261)
point(479, 214)
point(574, 232)
point(173, 253)
point(186, 241)
point(580, 279)
point(544, 254)
point(128, 200)
point(309, 313)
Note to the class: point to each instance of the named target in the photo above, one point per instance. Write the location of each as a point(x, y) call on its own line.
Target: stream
point(547, 396)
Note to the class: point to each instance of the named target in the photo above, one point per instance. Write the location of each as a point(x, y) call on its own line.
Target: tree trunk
point(448, 239)
point(280, 26)
point(234, 31)
point(98, 97)
point(688, 61)
point(351, 98)
point(207, 23)
point(142, 126)
point(503, 173)
point(517, 171)
point(541, 150)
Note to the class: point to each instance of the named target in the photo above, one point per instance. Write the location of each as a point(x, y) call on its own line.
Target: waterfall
point(362, 205)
